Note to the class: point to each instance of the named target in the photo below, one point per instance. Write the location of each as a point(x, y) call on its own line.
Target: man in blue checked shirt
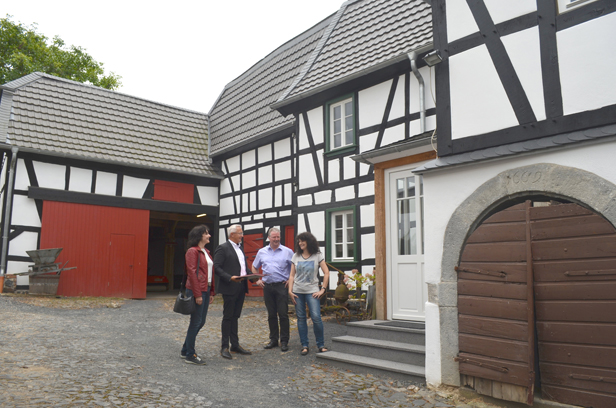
point(276, 262)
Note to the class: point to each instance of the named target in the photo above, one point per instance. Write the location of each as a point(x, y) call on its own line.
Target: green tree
point(23, 51)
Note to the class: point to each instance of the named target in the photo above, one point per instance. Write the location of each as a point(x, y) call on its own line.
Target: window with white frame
point(342, 229)
point(341, 124)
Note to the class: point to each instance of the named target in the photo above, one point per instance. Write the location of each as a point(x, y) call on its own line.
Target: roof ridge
point(318, 49)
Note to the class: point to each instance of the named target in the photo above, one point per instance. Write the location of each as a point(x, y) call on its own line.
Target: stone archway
point(579, 186)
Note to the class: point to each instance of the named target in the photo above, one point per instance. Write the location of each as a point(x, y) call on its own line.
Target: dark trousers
point(197, 320)
point(232, 309)
point(276, 300)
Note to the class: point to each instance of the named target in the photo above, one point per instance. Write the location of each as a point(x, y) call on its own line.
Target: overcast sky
point(180, 52)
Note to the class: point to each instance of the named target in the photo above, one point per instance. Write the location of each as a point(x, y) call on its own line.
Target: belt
point(274, 283)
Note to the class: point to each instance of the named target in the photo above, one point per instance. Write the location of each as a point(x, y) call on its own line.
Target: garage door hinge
point(480, 364)
point(498, 274)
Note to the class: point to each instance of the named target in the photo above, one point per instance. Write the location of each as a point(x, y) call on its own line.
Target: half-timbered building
point(520, 204)
point(113, 179)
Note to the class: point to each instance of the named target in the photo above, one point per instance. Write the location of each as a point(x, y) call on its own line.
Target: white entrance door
point(406, 289)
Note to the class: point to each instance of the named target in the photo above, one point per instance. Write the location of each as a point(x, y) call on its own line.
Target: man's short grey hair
point(233, 228)
point(273, 229)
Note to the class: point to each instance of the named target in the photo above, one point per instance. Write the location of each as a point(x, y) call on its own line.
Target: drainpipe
point(7, 211)
point(422, 91)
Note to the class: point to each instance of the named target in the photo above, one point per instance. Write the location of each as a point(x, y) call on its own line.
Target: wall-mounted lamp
point(432, 58)
point(201, 215)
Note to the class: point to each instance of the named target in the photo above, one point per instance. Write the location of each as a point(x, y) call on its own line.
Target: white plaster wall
point(523, 49)
point(286, 213)
point(393, 135)
point(364, 169)
point(366, 189)
point(315, 118)
point(367, 142)
point(333, 174)
point(303, 138)
point(258, 216)
point(282, 171)
point(233, 163)
point(106, 183)
point(245, 203)
point(80, 180)
point(460, 21)
point(246, 218)
point(248, 159)
point(288, 194)
point(345, 193)
point(24, 212)
point(430, 125)
point(249, 179)
point(506, 10)
point(307, 175)
point(250, 227)
point(587, 61)
point(208, 195)
point(225, 186)
point(226, 206)
point(265, 174)
point(372, 102)
point(430, 89)
point(22, 182)
point(50, 175)
point(304, 200)
point(26, 241)
point(265, 198)
point(368, 246)
point(253, 200)
point(222, 236)
point(367, 215)
point(301, 224)
point(134, 187)
point(265, 153)
point(317, 224)
point(349, 168)
point(397, 107)
point(271, 215)
point(323, 197)
point(282, 149)
point(479, 103)
point(278, 196)
point(235, 182)
point(440, 204)
point(15, 267)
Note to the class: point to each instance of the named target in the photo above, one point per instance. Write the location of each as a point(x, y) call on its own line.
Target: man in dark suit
point(229, 265)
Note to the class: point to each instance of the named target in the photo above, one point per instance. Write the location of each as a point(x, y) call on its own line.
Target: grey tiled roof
point(242, 112)
point(58, 116)
point(362, 35)
point(529, 146)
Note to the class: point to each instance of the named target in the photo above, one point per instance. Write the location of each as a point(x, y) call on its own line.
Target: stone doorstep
point(392, 345)
point(369, 362)
point(369, 329)
point(538, 401)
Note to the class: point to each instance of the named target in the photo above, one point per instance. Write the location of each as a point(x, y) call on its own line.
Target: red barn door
point(252, 244)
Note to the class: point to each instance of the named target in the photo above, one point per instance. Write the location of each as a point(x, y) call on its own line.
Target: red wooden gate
point(568, 254)
point(252, 244)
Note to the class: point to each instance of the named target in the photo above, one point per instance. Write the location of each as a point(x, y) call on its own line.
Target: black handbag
point(185, 304)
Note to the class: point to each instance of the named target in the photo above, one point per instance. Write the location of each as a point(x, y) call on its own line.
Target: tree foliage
point(23, 50)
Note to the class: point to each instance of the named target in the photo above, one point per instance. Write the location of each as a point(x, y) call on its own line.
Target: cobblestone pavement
point(127, 355)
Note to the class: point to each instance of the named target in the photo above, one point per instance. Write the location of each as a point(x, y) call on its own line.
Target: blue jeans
point(314, 305)
point(197, 321)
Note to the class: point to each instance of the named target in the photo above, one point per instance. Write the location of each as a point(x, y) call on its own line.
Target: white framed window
point(341, 124)
point(409, 215)
point(342, 235)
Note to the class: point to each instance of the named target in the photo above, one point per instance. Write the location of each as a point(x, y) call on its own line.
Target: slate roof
point(363, 35)
point(63, 117)
point(243, 111)
point(529, 146)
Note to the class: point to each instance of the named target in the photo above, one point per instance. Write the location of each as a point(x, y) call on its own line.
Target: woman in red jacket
point(200, 285)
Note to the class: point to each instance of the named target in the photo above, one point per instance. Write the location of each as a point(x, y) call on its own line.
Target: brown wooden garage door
point(569, 253)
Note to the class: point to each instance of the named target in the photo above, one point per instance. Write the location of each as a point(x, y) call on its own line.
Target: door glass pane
point(400, 188)
point(407, 228)
point(410, 186)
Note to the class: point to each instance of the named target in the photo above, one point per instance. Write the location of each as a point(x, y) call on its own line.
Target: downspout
point(7, 211)
point(422, 91)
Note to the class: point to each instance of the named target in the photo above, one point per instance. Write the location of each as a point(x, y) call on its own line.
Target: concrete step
point(383, 349)
point(408, 372)
point(373, 329)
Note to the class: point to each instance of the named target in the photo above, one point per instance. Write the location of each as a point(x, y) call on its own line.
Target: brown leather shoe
point(241, 350)
point(225, 354)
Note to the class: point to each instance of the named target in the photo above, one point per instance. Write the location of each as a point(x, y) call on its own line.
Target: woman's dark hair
point(195, 235)
point(311, 243)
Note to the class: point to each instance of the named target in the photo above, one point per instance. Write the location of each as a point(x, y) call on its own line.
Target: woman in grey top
point(304, 288)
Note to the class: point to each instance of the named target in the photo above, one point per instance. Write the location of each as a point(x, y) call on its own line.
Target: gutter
point(6, 226)
point(398, 148)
